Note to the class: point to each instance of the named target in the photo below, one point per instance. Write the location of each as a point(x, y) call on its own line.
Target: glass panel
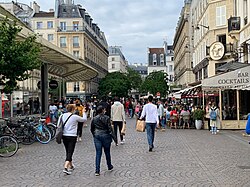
point(229, 105)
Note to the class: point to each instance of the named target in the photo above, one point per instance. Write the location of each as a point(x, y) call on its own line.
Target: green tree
point(115, 83)
point(155, 82)
point(17, 56)
point(134, 78)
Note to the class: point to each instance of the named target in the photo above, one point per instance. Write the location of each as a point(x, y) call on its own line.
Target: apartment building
point(182, 47)
point(71, 28)
point(162, 59)
point(116, 60)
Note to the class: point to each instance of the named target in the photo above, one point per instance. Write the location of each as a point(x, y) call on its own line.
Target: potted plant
point(198, 116)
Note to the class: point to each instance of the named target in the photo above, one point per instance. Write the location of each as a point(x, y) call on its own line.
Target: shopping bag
point(123, 131)
point(140, 126)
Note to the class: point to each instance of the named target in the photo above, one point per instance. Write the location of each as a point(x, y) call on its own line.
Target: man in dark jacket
point(105, 105)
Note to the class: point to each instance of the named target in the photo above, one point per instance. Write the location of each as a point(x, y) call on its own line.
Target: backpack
point(213, 114)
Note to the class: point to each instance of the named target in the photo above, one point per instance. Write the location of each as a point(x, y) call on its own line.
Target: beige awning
point(60, 62)
point(237, 79)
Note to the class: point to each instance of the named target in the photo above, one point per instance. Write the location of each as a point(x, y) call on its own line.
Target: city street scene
point(124, 93)
point(182, 157)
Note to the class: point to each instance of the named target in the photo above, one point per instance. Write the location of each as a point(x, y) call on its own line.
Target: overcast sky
point(133, 24)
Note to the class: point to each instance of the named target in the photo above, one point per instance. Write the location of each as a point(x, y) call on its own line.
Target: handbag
point(140, 126)
point(123, 131)
point(59, 130)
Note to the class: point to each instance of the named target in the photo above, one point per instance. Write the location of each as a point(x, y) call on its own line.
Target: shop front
point(233, 99)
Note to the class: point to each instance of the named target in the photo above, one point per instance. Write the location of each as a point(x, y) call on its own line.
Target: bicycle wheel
point(8, 146)
point(29, 135)
point(52, 129)
point(43, 134)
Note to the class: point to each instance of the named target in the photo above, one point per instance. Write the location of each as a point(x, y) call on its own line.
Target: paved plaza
point(181, 158)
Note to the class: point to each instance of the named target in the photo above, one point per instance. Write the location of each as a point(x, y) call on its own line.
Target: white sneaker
point(80, 139)
point(122, 142)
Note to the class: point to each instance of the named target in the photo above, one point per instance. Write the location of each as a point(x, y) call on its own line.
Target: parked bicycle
point(8, 144)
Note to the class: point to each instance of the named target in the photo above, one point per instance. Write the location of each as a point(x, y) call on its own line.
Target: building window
point(76, 54)
point(172, 58)
point(221, 16)
point(50, 37)
point(62, 41)
point(76, 87)
point(205, 73)
point(113, 59)
point(200, 74)
point(50, 24)
point(170, 68)
point(154, 59)
point(63, 26)
point(162, 59)
point(75, 25)
point(75, 41)
point(113, 66)
point(39, 25)
point(196, 76)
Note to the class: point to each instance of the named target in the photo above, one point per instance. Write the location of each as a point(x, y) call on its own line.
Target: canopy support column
point(44, 88)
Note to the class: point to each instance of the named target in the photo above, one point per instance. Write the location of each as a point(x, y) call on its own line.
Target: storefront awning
point(190, 91)
point(237, 79)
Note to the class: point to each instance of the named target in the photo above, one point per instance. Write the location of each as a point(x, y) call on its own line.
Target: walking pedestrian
point(150, 111)
point(117, 118)
point(79, 111)
point(70, 135)
point(102, 133)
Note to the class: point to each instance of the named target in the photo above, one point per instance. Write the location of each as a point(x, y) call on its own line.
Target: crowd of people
point(109, 116)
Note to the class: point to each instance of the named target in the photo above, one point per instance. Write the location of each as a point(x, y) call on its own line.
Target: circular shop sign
point(217, 51)
point(53, 84)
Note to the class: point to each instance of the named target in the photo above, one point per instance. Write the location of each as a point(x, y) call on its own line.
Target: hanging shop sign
point(217, 51)
point(53, 84)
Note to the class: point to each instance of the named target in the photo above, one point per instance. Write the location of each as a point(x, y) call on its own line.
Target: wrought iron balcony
point(233, 24)
point(70, 29)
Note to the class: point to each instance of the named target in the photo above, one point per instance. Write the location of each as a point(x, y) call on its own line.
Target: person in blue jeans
point(150, 111)
point(102, 133)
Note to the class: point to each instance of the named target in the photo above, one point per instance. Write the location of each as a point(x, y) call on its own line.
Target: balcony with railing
point(70, 29)
point(233, 24)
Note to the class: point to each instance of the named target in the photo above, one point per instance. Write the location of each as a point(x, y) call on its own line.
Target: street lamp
point(197, 26)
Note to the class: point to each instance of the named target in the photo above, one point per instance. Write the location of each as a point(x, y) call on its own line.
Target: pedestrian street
point(182, 157)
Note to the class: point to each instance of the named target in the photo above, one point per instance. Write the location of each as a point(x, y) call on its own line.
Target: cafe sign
point(239, 78)
point(242, 78)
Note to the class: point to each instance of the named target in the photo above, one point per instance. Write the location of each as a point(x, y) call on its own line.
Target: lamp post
point(197, 26)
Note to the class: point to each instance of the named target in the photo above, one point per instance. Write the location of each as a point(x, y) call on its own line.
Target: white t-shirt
point(70, 128)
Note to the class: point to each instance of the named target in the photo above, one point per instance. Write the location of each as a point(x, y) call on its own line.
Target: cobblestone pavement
point(186, 157)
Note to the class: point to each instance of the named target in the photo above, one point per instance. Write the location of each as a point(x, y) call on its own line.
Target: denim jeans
point(150, 127)
point(102, 141)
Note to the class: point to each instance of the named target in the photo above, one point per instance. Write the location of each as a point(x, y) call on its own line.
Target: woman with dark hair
point(102, 133)
point(70, 121)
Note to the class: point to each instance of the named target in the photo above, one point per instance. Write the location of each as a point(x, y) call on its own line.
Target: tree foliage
point(155, 82)
point(115, 83)
point(17, 57)
point(134, 78)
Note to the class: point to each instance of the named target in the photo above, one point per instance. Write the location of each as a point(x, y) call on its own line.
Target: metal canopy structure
point(60, 63)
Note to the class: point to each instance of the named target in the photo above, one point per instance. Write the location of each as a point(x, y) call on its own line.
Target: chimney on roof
point(36, 7)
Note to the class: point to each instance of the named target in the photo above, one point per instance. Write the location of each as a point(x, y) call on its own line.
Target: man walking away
point(150, 111)
point(118, 117)
point(105, 105)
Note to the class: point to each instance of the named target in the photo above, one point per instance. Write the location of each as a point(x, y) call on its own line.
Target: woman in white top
point(70, 134)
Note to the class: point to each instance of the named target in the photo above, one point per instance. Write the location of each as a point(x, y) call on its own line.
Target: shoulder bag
point(59, 130)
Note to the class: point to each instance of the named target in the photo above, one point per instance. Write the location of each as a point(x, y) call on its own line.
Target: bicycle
point(8, 144)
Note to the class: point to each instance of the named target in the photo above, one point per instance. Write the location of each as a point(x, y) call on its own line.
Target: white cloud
point(133, 24)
